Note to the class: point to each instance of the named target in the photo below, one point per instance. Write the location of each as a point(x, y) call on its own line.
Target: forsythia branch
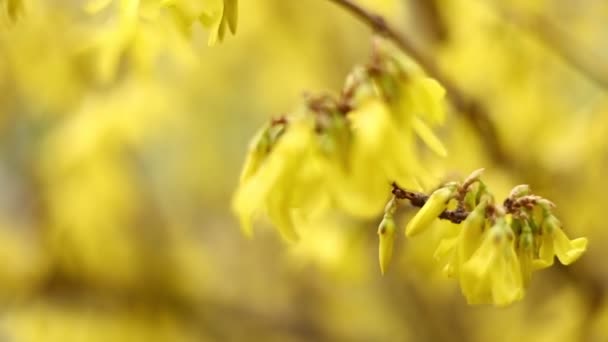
point(498, 245)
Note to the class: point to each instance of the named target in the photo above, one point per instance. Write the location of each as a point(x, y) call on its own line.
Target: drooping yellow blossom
point(418, 100)
point(377, 157)
point(554, 242)
point(273, 184)
point(217, 15)
point(493, 274)
point(140, 33)
point(437, 202)
point(525, 252)
point(459, 249)
point(355, 147)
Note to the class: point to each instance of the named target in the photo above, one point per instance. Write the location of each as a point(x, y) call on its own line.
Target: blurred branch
point(560, 41)
point(427, 15)
point(470, 107)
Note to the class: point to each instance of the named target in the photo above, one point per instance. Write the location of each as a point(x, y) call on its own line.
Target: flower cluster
point(341, 153)
point(105, 39)
point(218, 16)
point(498, 246)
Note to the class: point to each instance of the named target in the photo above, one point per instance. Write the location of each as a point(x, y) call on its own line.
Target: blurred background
point(122, 138)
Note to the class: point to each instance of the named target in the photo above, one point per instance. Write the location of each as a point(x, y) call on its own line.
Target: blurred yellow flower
point(554, 242)
point(493, 273)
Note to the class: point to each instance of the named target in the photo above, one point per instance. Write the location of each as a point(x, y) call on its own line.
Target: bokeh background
point(122, 136)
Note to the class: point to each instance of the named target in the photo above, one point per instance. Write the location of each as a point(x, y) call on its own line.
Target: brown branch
point(418, 199)
point(471, 108)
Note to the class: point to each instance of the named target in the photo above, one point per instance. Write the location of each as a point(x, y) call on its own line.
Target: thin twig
point(471, 108)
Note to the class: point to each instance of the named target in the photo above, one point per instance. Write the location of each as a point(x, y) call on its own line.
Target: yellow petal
point(546, 252)
point(568, 251)
point(430, 98)
point(470, 236)
point(429, 138)
point(280, 213)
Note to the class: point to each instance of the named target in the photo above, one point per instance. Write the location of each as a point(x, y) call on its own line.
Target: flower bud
point(386, 235)
point(437, 203)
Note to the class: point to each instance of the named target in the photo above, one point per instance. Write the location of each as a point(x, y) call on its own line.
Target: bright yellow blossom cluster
point(498, 246)
point(217, 15)
point(104, 38)
point(342, 153)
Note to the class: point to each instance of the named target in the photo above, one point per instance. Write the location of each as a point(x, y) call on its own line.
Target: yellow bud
point(437, 202)
point(493, 274)
point(386, 235)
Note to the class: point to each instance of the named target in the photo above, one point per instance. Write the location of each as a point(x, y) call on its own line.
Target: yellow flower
point(273, 186)
point(493, 274)
point(554, 242)
point(422, 100)
point(467, 241)
point(379, 153)
point(220, 21)
point(437, 202)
